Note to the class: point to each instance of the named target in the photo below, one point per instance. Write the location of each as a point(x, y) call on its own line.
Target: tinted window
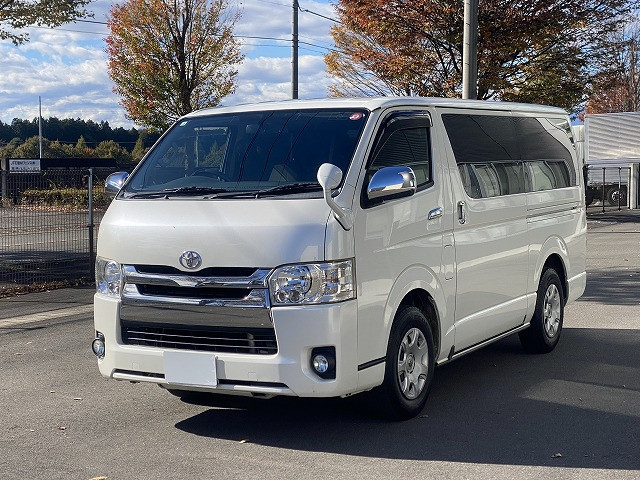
point(546, 175)
point(491, 152)
point(545, 139)
point(406, 147)
point(488, 180)
point(492, 179)
point(511, 177)
point(481, 138)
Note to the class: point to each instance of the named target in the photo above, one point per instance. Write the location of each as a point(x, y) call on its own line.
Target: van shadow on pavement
point(495, 406)
point(613, 287)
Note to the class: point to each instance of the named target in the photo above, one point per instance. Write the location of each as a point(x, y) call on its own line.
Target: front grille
point(257, 341)
point(205, 272)
point(189, 292)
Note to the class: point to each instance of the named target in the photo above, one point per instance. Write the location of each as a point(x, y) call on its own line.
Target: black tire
point(613, 194)
point(546, 325)
point(397, 405)
point(589, 197)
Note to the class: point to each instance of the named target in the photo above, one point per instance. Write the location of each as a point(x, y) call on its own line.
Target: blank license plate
point(187, 368)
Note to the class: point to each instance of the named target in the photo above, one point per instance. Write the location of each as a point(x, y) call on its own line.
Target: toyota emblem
point(190, 259)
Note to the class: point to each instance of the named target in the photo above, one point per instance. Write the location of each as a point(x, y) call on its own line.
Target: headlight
point(312, 283)
point(108, 277)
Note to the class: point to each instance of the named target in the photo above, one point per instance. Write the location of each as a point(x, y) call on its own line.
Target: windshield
point(248, 152)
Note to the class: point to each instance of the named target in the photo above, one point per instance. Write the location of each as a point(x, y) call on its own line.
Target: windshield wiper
point(289, 188)
point(181, 191)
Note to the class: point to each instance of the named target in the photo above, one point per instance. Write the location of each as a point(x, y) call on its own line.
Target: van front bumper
point(298, 330)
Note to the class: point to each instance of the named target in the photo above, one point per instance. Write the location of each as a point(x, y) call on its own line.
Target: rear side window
point(482, 138)
point(505, 155)
point(547, 175)
point(544, 146)
point(492, 179)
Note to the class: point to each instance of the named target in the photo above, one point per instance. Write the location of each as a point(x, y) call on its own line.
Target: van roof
point(373, 103)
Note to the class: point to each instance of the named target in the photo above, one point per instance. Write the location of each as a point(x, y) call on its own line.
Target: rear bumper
point(288, 372)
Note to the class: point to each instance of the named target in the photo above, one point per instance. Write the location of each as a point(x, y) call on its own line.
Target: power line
point(306, 10)
point(274, 3)
point(249, 37)
point(321, 46)
point(90, 21)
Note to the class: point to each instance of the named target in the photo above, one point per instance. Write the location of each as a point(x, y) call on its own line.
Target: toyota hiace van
point(327, 247)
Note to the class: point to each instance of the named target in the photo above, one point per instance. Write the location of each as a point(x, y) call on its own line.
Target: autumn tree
point(616, 87)
point(532, 51)
point(15, 15)
point(170, 57)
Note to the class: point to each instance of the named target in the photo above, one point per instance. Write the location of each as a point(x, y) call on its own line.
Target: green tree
point(111, 149)
point(18, 14)
point(82, 149)
point(139, 150)
point(168, 58)
point(540, 51)
point(7, 150)
point(30, 148)
point(58, 149)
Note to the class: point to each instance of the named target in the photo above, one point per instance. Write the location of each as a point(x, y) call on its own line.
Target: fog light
point(320, 363)
point(323, 362)
point(98, 345)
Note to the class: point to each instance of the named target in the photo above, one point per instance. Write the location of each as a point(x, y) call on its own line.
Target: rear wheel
point(546, 325)
point(409, 365)
point(617, 196)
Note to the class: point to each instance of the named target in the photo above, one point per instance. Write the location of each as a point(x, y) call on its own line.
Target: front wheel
point(409, 365)
point(546, 325)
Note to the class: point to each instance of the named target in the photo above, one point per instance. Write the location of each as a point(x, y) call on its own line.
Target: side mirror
point(329, 177)
point(391, 181)
point(114, 183)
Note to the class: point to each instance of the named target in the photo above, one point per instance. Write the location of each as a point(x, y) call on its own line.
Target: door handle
point(462, 214)
point(435, 213)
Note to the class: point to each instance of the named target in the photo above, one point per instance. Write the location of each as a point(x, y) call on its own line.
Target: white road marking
point(51, 314)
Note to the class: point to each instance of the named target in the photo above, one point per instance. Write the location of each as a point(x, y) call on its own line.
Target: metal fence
point(607, 188)
point(47, 225)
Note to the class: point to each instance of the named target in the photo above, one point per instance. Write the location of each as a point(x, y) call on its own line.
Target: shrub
point(64, 197)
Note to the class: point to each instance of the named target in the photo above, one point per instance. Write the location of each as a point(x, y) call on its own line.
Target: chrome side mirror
point(391, 181)
point(114, 183)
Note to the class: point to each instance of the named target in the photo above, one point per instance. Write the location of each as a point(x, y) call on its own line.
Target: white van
point(328, 247)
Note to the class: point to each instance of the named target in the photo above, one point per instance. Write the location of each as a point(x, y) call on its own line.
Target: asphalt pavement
point(494, 414)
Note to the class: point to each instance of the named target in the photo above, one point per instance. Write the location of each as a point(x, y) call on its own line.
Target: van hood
point(261, 233)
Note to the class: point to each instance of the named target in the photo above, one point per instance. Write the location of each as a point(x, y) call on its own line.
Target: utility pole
point(294, 50)
point(40, 123)
point(470, 51)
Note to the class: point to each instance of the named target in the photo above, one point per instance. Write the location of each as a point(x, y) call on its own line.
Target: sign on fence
point(24, 165)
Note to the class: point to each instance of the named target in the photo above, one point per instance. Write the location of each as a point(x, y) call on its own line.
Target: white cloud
point(264, 78)
point(69, 69)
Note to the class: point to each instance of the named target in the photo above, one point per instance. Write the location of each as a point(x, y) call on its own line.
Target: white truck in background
point(608, 143)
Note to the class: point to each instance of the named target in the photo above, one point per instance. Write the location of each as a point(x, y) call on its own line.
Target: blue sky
point(67, 66)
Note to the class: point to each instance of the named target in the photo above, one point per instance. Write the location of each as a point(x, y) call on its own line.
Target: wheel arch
point(554, 254)
point(418, 286)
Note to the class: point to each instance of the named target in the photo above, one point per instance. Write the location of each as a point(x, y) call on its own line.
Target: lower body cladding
point(288, 371)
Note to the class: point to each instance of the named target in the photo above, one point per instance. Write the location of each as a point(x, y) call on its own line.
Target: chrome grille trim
point(257, 280)
point(197, 312)
point(257, 298)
